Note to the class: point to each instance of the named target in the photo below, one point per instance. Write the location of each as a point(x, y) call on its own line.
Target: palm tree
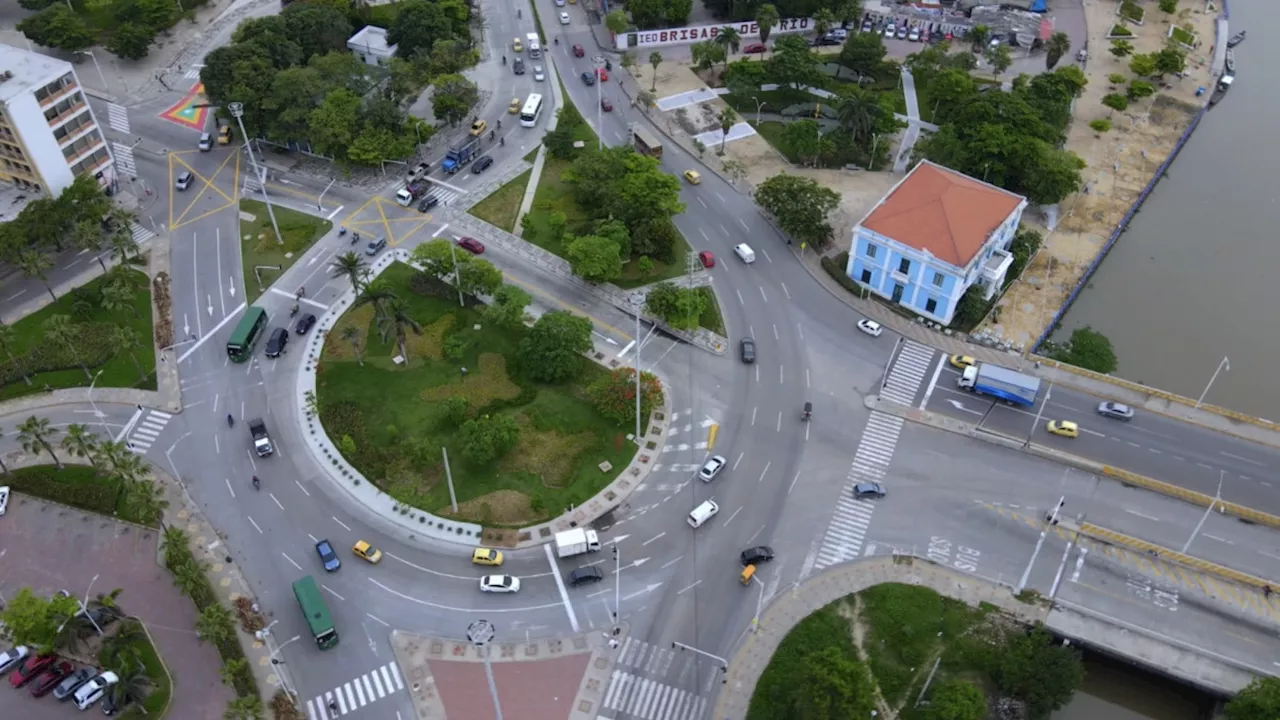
point(120, 647)
point(728, 40)
point(822, 21)
point(87, 236)
point(397, 322)
point(215, 624)
point(33, 264)
point(188, 577)
point(133, 684)
point(176, 546)
point(109, 454)
point(727, 118)
point(8, 339)
point(351, 334)
point(107, 607)
point(125, 341)
point(379, 295)
point(351, 266)
point(124, 250)
point(116, 297)
point(231, 668)
point(644, 100)
point(1059, 44)
point(59, 330)
point(766, 19)
point(857, 113)
point(34, 435)
point(81, 443)
point(979, 36)
point(147, 500)
point(655, 59)
point(245, 707)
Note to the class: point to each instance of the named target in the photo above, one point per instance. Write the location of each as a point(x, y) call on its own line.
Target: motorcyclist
point(256, 482)
point(504, 59)
point(492, 134)
point(230, 420)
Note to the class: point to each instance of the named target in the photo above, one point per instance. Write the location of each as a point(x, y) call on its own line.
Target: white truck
point(532, 44)
point(576, 541)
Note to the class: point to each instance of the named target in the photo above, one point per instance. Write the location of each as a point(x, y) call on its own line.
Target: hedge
point(836, 269)
point(93, 348)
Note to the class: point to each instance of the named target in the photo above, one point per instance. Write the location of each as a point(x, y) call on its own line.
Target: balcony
point(58, 120)
point(995, 267)
point(61, 92)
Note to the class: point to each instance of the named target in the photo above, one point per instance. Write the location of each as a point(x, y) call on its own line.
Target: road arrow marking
point(618, 539)
point(231, 287)
point(186, 326)
point(638, 593)
point(960, 406)
point(210, 297)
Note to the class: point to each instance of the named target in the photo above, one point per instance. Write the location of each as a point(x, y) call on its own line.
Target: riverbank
point(1120, 164)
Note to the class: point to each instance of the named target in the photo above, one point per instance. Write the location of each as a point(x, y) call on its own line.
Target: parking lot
point(50, 547)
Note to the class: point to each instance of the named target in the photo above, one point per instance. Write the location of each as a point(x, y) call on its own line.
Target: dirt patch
point(483, 385)
point(335, 347)
point(502, 507)
point(851, 610)
point(548, 455)
point(430, 344)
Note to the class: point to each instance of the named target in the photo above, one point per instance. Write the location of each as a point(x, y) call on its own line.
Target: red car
point(578, 51)
point(604, 76)
point(49, 679)
point(707, 259)
point(754, 48)
point(605, 105)
point(471, 245)
point(34, 665)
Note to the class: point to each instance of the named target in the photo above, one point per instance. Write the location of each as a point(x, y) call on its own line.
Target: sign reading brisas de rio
point(749, 30)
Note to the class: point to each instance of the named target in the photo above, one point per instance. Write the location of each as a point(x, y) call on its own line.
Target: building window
point(898, 290)
point(904, 266)
point(938, 279)
point(931, 306)
point(872, 249)
point(866, 277)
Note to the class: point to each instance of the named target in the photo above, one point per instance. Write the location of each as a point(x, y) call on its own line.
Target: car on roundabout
point(1116, 410)
point(711, 468)
point(748, 350)
point(585, 575)
point(693, 176)
point(500, 584)
point(478, 127)
point(486, 556)
point(962, 361)
point(1063, 428)
point(870, 327)
point(328, 557)
point(869, 491)
point(365, 551)
point(757, 555)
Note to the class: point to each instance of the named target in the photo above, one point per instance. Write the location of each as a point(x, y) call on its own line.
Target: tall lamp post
point(480, 633)
point(1224, 365)
point(94, 58)
point(274, 653)
point(637, 302)
point(237, 111)
point(102, 418)
point(617, 587)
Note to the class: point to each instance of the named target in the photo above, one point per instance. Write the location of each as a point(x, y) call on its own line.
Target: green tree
point(970, 310)
point(487, 438)
point(418, 25)
point(351, 334)
point(1169, 6)
point(124, 341)
point(617, 22)
point(34, 264)
point(146, 499)
point(831, 685)
point(508, 306)
point(57, 27)
point(656, 238)
point(122, 646)
point(34, 435)
point(727, 119)
point(453, 98)
point(801, 206)
point(1100, 125)
point(728, 40)
point(1089, 349)
point(857, 112)
point(677, 13)
point(1000, 58)
point(397, 323)
point(189, 578)
point(978, 37)
point(706, 54)
point(34, 621)
point(215, 624)
point(436, 258)
point(454, 410)
point(81, 443)
point(614, 395)
point(823, 19)
point(59, 330)
point(552, 350)
point(9, 341)
point(1059, 44)
point(802, 139)
point(647, 13)
point(351, 266)
point(478, 277)
point(1139, 89)
point(864, 53)
point(1116, 102)
point(793, 63)
point(318, 29)
point(1024, 246)
point(594, 259)
point(1121, 48)
point(231, 669)
point(1170, 60)
point(678, 307)
point(1259, 701)
point(333, 125)
point(655, 59)
point(957, 699)
point(132, 682)
point(243, 707)
point(131, 41)
point(1143, 65)
point(767, 18)
point(373, 145)
point(1039, 671)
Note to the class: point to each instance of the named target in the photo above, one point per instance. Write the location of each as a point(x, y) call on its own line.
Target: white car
point(914, 35)
point(13, 657)
point(559, 3)
point(890, 31)
point(92, 691)
point(564, 18)
point(4, 499)
point(711, 468)
point(538, 74)
point(870, 327)
point(500, 583)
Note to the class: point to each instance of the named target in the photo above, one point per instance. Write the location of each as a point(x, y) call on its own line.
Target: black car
point(481, 165)
point(305, 323)
point(588, 79)
point(518, 66)
point(428, 202)
point(277, 342)
point(757, 555)
point(72, 682)
point(748, 348)
point(585, 575)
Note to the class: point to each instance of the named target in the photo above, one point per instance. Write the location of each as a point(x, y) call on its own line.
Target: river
point(1114, 690)
point(1188, 284)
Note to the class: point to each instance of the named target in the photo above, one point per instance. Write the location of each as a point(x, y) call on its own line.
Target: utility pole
point(637, 302)
point(724, 664)
point(237, 112)
point(1051, 519)
point(1217, 498)
point(480, 633)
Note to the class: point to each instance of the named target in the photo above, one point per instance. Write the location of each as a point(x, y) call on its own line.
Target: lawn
point(156, 701)
point(711, 318)
point(502, 207)
point(53, 366)
point(258, 245)
point(79, 486)
point(398, 424)
point(824, 629)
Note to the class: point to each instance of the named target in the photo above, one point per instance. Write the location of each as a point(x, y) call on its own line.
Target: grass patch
point(157, 700)
point(533, 154)
point(502, 207)
point(711, 318)
point(826, 628)
point(258, 245)
point(1182, 36)
point(398, 423)
point(1131, 11)
point(771, 131)
point(57, 367)
point(79, 486)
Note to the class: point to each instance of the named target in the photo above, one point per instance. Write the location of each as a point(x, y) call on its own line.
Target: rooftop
point(373, 40)
point(22, 71)
point(943, 212)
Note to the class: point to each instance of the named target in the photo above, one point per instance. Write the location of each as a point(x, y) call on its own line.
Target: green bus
point(318, 618)
point(246, 334)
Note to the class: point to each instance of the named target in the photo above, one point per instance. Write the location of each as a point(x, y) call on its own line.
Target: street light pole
point(617, 586)
point(724, 664)
point(320, 200)
point(96, 413)
point(637, 300)
point(237, 112)
point(1224, 364)
point(457, 274)
point(599, 118)
point(1050, 521)
point(273, 653)
point(94, 58)
point(1039, 413)
point(480, 633)
point(759, 107)
point(1217, 498)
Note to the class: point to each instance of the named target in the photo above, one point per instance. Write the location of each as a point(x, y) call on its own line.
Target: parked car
point(305, 323)
point(500, 584)
point(46, 681)
point(871, 490)
point(757, 555)
point(327, 556)
point(902, 32)
point(754, 48)
point(1115, 410)
point(277, 343)
point(588, 79)
point(890, 31)
point(471, 245)
point(30, 668)
point(4, 499)
point(712, 467)
point(914, 35)
point(747, 349)
point(92, 691)
point(71, 683)
point(482, 164)
point(866, 26)
point(584, 575)
point(870, 327)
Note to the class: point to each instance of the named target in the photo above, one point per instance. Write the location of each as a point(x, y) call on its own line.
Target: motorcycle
point(256, 484)
point(231, 421)
point(355, 238)
point(293, 310)
point(808, 410)
point(342, 232)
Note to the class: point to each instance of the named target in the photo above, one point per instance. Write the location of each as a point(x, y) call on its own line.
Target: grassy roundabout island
point(526, 418)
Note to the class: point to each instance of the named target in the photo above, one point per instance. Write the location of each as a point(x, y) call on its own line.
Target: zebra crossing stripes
point(651, 700)
point(118, 117)
point(144, 434)
point(852, 517)
point(139, 233)
point(446, 195)
point(907, 373)
point(355, 694)
point(645, 656)
point(124, 158)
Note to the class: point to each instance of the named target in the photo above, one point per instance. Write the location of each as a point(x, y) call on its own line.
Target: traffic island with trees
point(530, 425)
point(260, 249)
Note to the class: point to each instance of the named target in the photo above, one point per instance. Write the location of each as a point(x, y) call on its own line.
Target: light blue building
point(934, 235)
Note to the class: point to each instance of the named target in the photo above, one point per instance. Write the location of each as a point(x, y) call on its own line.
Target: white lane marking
point(335, 212)
point(793, 483)
point(687, 587)
point(233, 493)
point(291, 562)
point(734, 515)
point(273, 497)
point(326, 587)
point(655, 537)
point(670, 563)
point(304, 490)
point(1135, 512)
point(378, 620)
point(344, 525)
point(196, 345)
point(437, 573)
point(1242, 459)
point(424, 603)
point(255, 525)
point(564, 594)
point(766, 470)
point(1221, 540)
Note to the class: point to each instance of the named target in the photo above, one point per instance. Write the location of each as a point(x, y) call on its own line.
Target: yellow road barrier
point(711, 435)
point(1191, 496)
point(1112, 537)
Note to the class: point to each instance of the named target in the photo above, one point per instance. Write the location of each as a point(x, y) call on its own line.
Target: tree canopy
point(801, 206)
point(1086, 348)
point(553, 350)
point(1259, 701)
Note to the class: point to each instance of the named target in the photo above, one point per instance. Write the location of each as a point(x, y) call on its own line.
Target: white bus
point(531, 111)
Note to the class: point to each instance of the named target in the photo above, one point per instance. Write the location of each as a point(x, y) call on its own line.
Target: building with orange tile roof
point(937, 233)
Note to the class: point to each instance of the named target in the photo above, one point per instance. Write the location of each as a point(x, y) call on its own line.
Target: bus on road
point(246, 334)
point(316, 612)
point(532, 111)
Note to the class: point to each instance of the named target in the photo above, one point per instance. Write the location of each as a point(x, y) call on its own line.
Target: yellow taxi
point(514, 107)
point(485, 556)
point(963, 361)
point(1065, 428)
point(693, 176)
point(517, 46)
point(478, 127)
point(366, 551)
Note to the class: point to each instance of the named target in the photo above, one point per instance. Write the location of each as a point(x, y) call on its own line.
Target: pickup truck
point(1012, 387)
point(460, 156)
point(407, 194)
point(576, 541)
point(261, 441)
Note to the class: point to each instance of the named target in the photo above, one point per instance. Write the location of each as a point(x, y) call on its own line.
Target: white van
point(703, 513)
point(745, 252)
point(535, 49)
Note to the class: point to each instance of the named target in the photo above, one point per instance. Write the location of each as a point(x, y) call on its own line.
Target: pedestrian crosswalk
point(852, 517)
point(124, 158)
point(148, 429)
point(139, 233)
point(118, 118)
point(649, 699)
point(194, 72)
point(907, 373)
point(355, 694)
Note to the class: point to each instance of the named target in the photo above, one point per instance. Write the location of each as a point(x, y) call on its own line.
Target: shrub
point(1100, 125)
point(835, 268)
point(47, 482)
point(93, 345)
point(1130, 10)
point(614, 394)
point(283, 707)
point(1119, 30)
point(164, 309)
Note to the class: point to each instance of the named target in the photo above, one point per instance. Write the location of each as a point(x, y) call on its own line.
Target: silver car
point(868, 491)
point(1115, 410)
point(711, 468)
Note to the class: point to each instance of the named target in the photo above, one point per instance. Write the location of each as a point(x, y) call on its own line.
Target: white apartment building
point(48, 134)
